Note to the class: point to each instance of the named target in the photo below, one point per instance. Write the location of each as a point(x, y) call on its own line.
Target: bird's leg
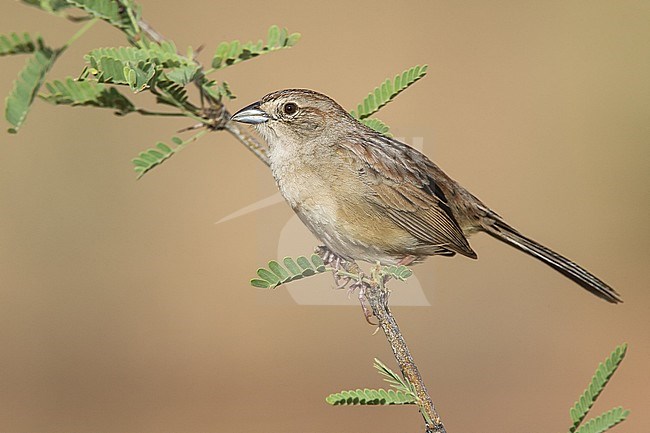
point(337, 263)
point(341, 282)
point(362, 285)
point(365, 305)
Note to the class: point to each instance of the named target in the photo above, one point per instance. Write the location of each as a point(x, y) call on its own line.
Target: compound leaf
point(369, 397)
point(87, 93)
point(26, 87)
point(387, 91)
point(293, 270)
point(605, 421)
point(377, 125)
point(51, 6)
point(602, 375)
point(152, 157)
point(122, 14)
point(19, 44)
point(230, 53)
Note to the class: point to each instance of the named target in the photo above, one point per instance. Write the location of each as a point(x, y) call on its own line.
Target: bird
point(372, 198)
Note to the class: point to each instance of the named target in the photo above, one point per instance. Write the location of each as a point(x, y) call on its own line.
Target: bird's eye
point(290, 108)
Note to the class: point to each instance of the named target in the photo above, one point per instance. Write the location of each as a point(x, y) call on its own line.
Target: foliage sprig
point(387, 91)
point(583, 405)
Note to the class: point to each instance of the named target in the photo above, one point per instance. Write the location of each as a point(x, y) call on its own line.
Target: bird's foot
point(338, 264)
point(365, 305)
point(358, 284)
point(352, 283)
point(361, 285)
point(329, 258)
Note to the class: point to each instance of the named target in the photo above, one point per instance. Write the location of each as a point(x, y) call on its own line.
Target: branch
point(377, 296)
point(374, 291)
point(221, 116)
point(150, 31)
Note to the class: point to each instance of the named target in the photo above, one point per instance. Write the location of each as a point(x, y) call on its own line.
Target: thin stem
point(129, 11)
point(184, 111)
point(144, 112)
point(78, 34)
point(193, 138)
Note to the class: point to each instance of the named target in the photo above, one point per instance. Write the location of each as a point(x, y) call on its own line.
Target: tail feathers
point(502, 231)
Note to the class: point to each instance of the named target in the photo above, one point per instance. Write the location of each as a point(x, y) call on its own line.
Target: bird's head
point(296, 115)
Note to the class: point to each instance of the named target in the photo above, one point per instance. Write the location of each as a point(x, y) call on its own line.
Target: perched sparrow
point(372, 198)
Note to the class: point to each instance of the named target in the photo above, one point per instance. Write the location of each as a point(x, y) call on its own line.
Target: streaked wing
point(402, 186)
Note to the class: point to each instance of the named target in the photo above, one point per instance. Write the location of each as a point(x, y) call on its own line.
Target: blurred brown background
point(124, 308)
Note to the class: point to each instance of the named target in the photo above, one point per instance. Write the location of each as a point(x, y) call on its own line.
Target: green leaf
point(273, 36)
point(394, 379)
point(19, 44)
point(166, 149)
point(139, 76)
point(305, 265)
point(183, 75)
point(278, 270)
point(151, 158)
point(164, 54)
point(109, 70)
point(269, 276)
point(318, 263)
point(261, 284)
point(86, 93)
point(26, 87)
point(155, 64)
point(122, 14)
point(291, 265)
point(377, 125)
point(230, 53)
point(51, 6)
point(172, 94)
point(598, 382)
point(369, 397)
point(605, 421)
point(217, 91)
point(387, 91)
point(293, 270)
point(398, 272)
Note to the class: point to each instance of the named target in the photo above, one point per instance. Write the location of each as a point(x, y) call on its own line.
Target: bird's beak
point(252, 114)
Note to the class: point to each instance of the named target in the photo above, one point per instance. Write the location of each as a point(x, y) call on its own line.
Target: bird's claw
point(367, 312)
point(340, 264)
point(337, 263)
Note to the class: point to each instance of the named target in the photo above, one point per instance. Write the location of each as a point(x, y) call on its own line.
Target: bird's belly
point(346, 223)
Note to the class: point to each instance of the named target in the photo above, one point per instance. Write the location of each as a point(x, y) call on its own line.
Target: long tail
point(502, 231)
